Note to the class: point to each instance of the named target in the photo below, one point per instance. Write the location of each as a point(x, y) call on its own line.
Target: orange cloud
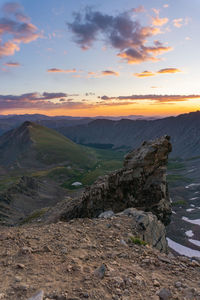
point(144, 74)
point(162, 71)
point(157, 21)
point(8, 48)
point(136, 56)
point(55, 70)
point(109, 73)
point(169, 71)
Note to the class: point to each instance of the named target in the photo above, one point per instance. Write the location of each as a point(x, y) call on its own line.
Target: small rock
point(106, 214)
point(164, 259)
point(164, 294)
point(100, 272)
point(178, 284)
point(18, 278)
point(122, 242)
point(26, 250)
point(38, 296)
point(64, 251)
point(20, 266)
point(2, 296)
point(156, 283)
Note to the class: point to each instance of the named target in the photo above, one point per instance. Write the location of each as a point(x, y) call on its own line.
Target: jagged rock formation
point(141, 183)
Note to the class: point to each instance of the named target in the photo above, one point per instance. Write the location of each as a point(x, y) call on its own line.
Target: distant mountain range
point(118, 133)
point(127, 134)
point(8, 122)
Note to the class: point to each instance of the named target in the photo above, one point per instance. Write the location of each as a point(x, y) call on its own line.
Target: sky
point(96, 57)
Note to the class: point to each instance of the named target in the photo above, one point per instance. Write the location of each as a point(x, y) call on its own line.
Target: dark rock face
point(141, 184)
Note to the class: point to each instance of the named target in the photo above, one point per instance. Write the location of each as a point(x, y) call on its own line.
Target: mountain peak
point(32, 145)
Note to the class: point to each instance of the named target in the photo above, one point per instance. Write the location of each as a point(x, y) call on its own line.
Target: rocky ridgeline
point(140, 184)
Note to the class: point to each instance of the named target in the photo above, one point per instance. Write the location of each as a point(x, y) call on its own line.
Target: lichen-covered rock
point(141, 183)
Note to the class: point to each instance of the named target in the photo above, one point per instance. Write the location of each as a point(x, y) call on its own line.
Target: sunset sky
point(95, 57)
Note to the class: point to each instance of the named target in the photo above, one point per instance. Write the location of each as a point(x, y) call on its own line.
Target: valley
point(54, 164)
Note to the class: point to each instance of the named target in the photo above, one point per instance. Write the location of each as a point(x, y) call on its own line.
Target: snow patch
point(192, 185)
point(196, 222)
point(195, 242)
point(182, 250)
point(189, 233)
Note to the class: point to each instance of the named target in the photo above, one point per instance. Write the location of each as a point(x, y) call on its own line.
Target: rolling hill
point(35, 146)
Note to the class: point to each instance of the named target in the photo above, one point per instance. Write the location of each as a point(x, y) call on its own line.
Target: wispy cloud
point(178, 23)
point(55, 70)
point(154, 98)
point(169, 71)
point(15, 28)
point(12, 64)
point(109, 73)
point(121, 32)
point(161, 71)
point(145, 74)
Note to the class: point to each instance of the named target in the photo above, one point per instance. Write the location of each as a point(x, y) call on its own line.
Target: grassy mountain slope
point(33, 145)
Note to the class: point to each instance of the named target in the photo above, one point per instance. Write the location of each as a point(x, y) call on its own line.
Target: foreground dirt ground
point(90, 259)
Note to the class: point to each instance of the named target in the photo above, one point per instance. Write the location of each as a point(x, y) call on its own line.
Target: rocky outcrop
point(141, 184)
point(148, 228)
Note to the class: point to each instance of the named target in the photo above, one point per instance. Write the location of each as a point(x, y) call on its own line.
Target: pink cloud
point(15, 28)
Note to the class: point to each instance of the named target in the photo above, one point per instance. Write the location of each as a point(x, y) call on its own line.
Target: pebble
point(100, 272)
point(122, 242)
point(178, 284)
point(156, 283)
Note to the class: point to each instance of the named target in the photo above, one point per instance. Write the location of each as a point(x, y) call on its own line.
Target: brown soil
point(61, 259)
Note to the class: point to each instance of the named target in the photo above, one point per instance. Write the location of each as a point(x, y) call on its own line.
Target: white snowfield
point(182, 250)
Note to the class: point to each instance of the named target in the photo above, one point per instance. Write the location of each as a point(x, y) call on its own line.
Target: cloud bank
point(52, 101)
